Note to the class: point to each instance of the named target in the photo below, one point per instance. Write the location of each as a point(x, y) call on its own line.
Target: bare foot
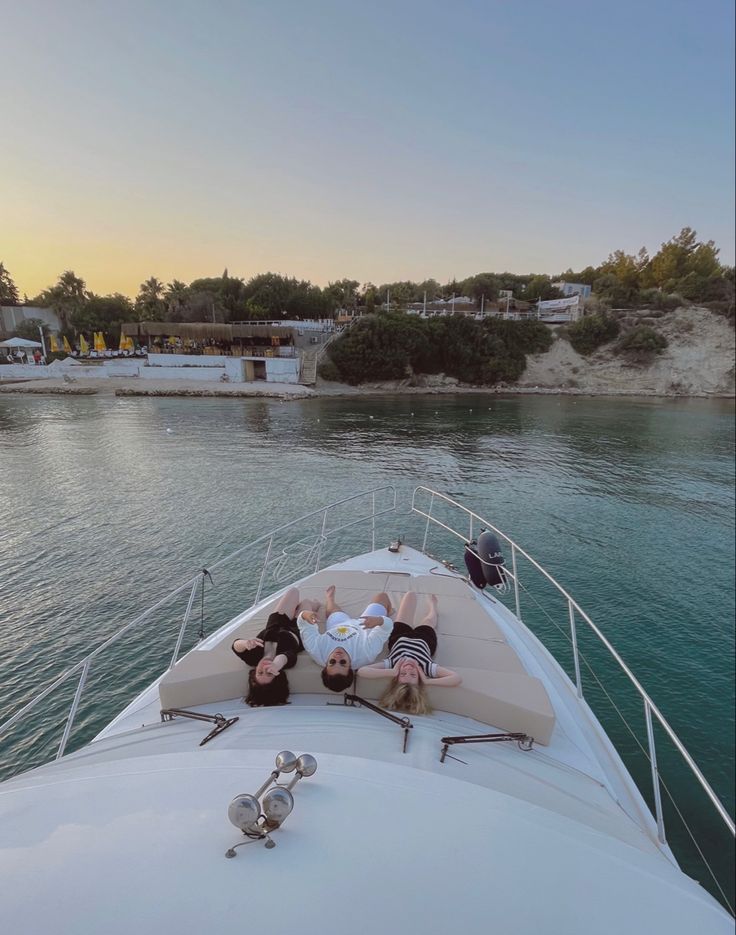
point(330, 593)
point(433, 601)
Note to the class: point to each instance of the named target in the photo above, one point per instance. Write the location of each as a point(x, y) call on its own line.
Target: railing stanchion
point(321, 541)
point(470, 536)
point(516, 581)
point(373, 522)
point(576, 658)
point(655, 773)
point(185, 621)
point(73, 710)
point(263, 570)
point(426, 528)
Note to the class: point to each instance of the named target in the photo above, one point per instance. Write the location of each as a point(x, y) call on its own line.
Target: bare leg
point(407, 608)
point(288, 603)
point(382, 598)
point(330, 605)
point(430, 620)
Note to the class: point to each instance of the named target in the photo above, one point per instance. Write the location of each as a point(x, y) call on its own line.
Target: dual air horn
point(257, 819)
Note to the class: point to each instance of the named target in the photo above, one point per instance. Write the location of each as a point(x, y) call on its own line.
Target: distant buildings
point(573, 288)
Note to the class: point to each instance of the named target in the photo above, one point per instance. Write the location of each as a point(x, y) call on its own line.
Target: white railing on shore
point(310, 563)
point(474, 523)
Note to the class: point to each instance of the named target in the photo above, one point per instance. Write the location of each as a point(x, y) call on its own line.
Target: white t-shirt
point(363, 646)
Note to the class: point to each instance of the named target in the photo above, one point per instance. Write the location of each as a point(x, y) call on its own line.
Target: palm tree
point(149, 302)
point(176, 296)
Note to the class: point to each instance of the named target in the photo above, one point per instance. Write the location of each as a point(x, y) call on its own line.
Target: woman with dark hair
point(273, 650)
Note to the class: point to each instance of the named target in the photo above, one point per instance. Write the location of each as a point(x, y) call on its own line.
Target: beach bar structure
point(244, 351)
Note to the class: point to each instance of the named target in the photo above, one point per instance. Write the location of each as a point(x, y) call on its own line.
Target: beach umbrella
point(54, 345)
point(99, 341)
point(20, 342)
point(83, 346)
point(123, 345)
point(67, 346)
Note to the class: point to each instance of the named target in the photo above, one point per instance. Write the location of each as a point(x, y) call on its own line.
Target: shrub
point(390, 346)
point(663, 301)
point(642, 343)
point(591, 332)
point(524, 337)
point(328, 371)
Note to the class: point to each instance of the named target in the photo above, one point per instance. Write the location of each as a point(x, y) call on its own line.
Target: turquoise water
point(106, 503)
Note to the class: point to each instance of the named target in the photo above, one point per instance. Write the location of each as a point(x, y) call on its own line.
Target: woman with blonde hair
point(409, 662)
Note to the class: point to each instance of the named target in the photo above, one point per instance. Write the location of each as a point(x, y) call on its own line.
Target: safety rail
point(196, 582)
point(475, 523)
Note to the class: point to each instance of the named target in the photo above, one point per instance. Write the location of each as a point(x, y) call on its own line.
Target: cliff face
point(698, 361)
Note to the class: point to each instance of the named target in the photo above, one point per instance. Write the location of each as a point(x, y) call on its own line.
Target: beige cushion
point(495, 691)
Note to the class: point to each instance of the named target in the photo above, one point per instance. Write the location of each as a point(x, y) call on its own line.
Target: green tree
point(66, 298)
point(104, 313)
point(342, 294)
point(540, 287)
point(8, 290)
point(483, 284)
point(176, 295)
point(686, 266)
point(149, 303)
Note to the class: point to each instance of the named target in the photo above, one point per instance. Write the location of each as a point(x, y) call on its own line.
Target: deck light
point(306, 764)
point(277, 805)
point(286, 762)
point(256, 820)
point(244, 811)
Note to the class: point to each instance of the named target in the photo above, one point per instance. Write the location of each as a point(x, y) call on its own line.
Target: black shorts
point(426, 634)
point(282, 622)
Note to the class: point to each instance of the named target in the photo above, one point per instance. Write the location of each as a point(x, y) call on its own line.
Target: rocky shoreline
point(335, 390)
point(697, 363)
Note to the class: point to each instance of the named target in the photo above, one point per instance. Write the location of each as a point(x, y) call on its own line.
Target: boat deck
point(496, 689)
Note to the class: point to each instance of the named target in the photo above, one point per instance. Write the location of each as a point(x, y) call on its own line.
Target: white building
point(13, 316)
point(573, 288)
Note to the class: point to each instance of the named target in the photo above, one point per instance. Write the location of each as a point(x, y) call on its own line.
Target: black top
point(281, 631)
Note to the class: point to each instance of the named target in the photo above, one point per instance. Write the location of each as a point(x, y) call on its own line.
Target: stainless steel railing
point(311, 562)
point(474, 522)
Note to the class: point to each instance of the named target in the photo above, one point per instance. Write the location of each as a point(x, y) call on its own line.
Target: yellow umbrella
point(123, 345)
point(67, 346)
point(99, 341)
point(83, 346)
point(129, 346)
point(54, 345)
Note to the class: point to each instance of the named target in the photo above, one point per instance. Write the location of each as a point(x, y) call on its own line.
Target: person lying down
point(409, 663)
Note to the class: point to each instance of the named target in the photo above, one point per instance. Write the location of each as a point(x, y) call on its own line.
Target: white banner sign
point(556, 305)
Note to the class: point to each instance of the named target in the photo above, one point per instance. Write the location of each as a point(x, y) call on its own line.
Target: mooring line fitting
point(523, 741)
point(219, 720)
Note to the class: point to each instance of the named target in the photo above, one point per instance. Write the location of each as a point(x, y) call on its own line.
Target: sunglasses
point(338, 662)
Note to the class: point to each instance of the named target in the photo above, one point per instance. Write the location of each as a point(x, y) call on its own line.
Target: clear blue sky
point(375, 139)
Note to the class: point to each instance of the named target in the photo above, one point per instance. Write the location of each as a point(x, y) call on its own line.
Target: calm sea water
point(106, 503)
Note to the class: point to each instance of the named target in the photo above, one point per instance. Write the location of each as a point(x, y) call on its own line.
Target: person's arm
point(376, 638)
point(443, 676)
point(280, 662)
point(311, 637)
point(378, 670)
point(286, 649)
point(250, 651)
